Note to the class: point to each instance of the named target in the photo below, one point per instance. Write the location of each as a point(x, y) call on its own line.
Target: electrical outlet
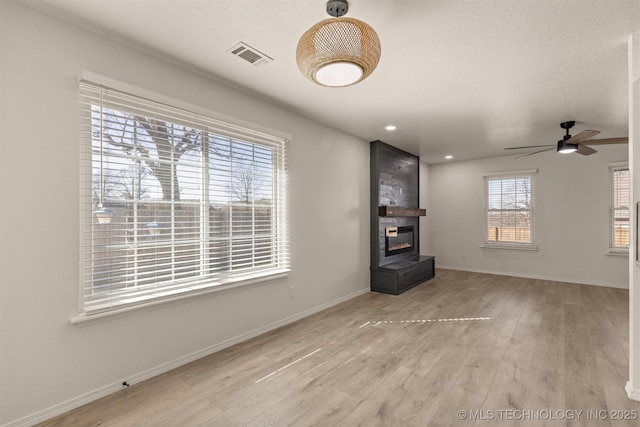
point(291, 291)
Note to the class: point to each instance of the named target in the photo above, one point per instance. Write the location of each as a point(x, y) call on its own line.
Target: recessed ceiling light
point(448, 157)
point(390, 127)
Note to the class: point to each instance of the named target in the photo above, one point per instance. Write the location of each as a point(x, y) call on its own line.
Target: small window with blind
point(619, 212)
point(510, 219)
point(175, 203)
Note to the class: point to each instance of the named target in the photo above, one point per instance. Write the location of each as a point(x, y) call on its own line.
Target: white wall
point(571, 216)
point(48, 365)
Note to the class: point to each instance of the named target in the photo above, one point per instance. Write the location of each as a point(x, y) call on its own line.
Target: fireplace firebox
point(399, 240)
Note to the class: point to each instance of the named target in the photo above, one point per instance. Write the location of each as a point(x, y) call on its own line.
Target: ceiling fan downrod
point(566, 126)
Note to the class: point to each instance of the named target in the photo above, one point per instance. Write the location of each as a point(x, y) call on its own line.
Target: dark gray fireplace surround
point(396, 263)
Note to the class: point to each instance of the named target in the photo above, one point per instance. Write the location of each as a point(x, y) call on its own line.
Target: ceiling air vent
point(250, 54)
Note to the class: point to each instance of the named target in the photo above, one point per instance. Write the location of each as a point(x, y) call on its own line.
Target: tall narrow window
point(174, 202)
point(510, 210)
point(619, 212)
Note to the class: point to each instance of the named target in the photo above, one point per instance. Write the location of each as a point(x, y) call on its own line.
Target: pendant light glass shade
point(338, 52)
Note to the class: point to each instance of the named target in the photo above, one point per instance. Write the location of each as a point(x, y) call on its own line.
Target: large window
point(510, 210)
point(174, 202)
point(619, 212)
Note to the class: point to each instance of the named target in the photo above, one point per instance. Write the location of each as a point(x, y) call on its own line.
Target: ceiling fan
point(574, 144)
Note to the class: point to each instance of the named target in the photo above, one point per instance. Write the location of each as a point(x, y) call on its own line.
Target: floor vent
point(250, 54)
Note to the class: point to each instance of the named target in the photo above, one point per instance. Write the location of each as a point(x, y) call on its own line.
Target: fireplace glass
point(398, 241)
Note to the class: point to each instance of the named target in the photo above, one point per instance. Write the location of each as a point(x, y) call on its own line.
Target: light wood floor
point(506, 351)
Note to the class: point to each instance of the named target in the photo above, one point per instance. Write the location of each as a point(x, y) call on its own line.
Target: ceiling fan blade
point(530, 146)
point(582, 136)
point(605, 141)
point(584, 150)
point(535, 152)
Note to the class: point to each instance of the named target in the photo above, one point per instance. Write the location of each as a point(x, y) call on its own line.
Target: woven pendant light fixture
point(338, 51)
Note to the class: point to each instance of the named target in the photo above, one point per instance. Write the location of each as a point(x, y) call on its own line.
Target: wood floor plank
point(308, 407)
point(434, 389)
point(505, 351)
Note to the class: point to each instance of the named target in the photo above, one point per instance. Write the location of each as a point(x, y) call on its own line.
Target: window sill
point(527, 248)
point(618, 253)
point(87, 319)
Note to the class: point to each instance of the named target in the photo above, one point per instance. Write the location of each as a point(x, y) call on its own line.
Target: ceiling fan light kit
point(565, 148)
point(338, 51)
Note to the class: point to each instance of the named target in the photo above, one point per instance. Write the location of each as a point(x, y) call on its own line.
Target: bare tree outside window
point(245, 184)
point(157, 144)
point(122, 184)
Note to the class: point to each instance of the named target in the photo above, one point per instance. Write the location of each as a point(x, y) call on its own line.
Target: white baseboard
point(83, 399)
point(533, 276)
point(634, 394)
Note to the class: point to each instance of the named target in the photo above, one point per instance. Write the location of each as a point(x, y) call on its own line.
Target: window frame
point(511, 245)
point(612, 249)
point(235, 130)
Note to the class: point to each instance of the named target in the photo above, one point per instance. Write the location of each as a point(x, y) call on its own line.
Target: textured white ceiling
point(466, 78)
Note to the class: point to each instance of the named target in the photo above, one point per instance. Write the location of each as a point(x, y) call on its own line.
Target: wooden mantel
point(400, 211)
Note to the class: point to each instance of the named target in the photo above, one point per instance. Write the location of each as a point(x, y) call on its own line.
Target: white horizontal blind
point(193, 202)
point(510, 219)
point(619, 212)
